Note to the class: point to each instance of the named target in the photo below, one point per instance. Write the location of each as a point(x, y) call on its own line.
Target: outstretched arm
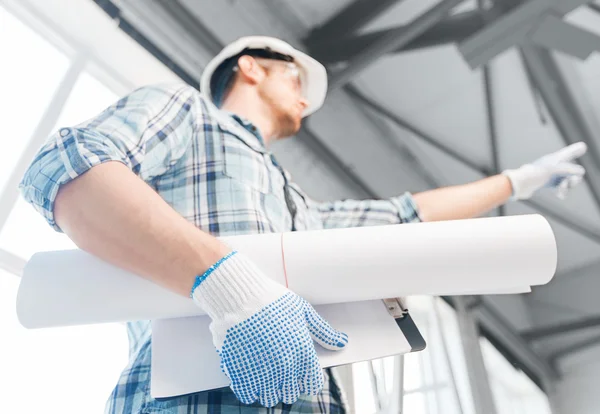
point(554, 171)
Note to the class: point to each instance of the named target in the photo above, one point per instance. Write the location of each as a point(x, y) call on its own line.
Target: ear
point(249, 70)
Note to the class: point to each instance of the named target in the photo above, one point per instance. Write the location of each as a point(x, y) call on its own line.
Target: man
point(148, 183)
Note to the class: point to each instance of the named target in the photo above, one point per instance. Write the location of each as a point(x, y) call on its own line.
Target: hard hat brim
point(314, 76)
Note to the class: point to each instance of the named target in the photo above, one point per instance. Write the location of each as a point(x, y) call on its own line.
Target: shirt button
point(64, 132)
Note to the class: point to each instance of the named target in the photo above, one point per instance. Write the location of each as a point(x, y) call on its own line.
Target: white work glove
point(555, 171)
point(263, 333)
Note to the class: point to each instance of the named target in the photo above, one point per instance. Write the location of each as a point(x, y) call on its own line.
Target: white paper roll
point(479, 255)
point(503, 254)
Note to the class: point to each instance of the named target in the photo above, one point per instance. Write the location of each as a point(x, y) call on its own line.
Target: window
point(66, 370)
point(25, 231)
point(26, 88)
point(513, 391)
point(72, 369)
point(435, 380)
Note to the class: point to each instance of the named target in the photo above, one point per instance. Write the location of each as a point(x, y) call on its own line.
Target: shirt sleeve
point(357, 213)
point(147, 130)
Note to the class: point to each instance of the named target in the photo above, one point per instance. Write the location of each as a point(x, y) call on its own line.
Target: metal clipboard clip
point(397, 309)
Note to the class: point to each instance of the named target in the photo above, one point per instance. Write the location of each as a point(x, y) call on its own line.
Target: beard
point(288, 121)
point(288, 124)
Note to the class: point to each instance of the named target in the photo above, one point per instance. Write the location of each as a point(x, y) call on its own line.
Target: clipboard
point(184, 359)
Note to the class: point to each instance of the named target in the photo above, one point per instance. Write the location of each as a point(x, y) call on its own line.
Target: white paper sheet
point(325, 267)
point(184, 359)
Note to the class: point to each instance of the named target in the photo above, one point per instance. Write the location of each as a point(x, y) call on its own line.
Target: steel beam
point(491, 116)
point(537, 334)
point(450, 30)
point(564, 109)
point(353, 17)
point(10, 193)
point(556, 34)
point(496, 326)
point(576, 347)
point(478, 374)
point(11, 262)
point(595, 7)
point(316, 145)
point(513, 28)
point(392, 41)
point(189, 23)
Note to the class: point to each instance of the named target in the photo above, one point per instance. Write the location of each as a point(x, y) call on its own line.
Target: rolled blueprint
point(485, 255)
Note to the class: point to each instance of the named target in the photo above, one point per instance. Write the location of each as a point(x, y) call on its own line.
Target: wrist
point(234, 286)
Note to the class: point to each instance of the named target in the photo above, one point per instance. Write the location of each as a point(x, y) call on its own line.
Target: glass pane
point(67, 370)
point(88, 98)
point(364, 400)
point(30, 73)
point(26, 232)
point(415, 404)
point(513, 391)
point(437, 374)
point(452, 340)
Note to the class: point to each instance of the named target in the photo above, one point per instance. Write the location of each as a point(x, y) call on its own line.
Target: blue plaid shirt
point(213, 168)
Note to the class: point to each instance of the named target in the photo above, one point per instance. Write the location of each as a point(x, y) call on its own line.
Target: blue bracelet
point(202, 278)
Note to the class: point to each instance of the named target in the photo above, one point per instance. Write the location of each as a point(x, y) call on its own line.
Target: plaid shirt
point(213, 168)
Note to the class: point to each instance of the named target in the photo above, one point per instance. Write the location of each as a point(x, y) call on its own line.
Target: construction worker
point(148, 184)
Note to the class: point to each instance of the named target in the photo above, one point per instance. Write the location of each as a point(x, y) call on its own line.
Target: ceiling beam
point(513, 28)
point(451, 30)
point(537, 334)
point(488, 91)
point(554, 33)
point(189, 23)
point(576, 347)
point(306, 137)
point(351, 18)
point(595, 7)
point(391, 42)
point(497, 326)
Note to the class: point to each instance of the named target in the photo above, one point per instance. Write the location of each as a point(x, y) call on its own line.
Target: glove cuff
point(512, 176)
point(234, 289)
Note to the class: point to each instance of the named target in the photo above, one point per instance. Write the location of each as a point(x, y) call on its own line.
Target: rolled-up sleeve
point(148, 130)
point(357, 213)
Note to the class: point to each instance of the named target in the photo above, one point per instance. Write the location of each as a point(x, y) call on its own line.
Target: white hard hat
point(313, 74)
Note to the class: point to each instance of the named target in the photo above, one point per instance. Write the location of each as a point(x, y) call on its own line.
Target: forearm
point(114, 215)
point(463, 201)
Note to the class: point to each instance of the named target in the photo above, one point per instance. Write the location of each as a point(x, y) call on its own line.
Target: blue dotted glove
point(263, 333)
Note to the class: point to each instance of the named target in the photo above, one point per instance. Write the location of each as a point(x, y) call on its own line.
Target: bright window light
point(514, 392)
point(30, 73)
point(68, 370)
point(25, 231)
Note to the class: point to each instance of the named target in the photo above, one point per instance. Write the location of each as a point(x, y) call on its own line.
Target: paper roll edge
point(553, 264)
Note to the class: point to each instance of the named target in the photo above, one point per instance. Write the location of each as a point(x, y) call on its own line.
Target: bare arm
point(89, 181)
point(114, 215)
point(463, 201)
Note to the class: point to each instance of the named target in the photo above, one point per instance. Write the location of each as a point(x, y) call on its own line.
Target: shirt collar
point(248, 126)
point(241, 129)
